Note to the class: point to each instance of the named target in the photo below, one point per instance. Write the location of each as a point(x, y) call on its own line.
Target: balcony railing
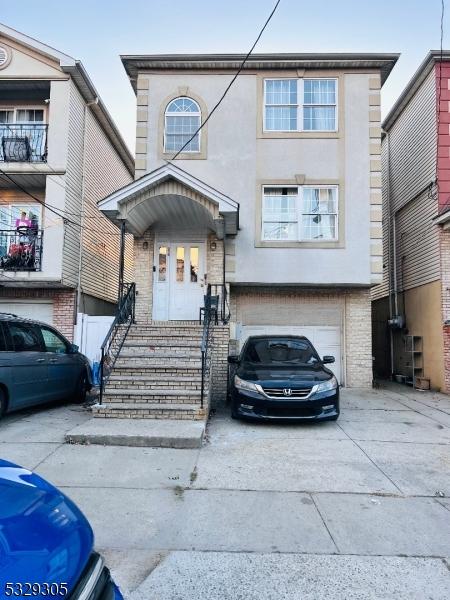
point(21, 250)
point(23, 143)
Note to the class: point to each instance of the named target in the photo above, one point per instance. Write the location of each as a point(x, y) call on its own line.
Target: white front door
point(179, 280)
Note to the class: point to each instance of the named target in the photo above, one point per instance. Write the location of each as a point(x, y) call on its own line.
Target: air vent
point(4, 57)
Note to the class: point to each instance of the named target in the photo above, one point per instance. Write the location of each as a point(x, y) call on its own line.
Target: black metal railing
point(209, 317)
point(23, 143)
point(117, 333)
point(21, 249)
point(220, 290)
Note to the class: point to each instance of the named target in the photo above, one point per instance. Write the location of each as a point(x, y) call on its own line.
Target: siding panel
point(74, 182)
point(412, 165)
point(104, 172)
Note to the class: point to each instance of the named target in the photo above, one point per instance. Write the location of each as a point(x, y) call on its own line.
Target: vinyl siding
point(73, 183)
point(418, 259)
point(104, 172)
point(412, 163)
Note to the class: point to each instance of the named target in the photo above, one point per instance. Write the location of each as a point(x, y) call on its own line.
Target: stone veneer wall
point(64, 302)
point(220, 341)
point(143, 275)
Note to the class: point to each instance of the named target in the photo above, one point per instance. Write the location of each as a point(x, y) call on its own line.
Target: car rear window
point(280, 351)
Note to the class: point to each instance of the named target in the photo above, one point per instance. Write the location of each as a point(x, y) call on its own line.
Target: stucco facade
point(283, 282)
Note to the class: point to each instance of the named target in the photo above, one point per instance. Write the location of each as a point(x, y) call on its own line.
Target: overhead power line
point(54, 210)
point(228, 86)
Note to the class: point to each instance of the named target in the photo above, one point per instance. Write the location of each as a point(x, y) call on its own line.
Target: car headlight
point(241, 384)
point(326, 386)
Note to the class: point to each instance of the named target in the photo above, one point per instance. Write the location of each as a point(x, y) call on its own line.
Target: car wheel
point(81, 390)
point(2, 403)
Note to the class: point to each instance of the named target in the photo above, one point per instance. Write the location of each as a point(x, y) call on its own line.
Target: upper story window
point(23, 135)
point(182, 119)
point(300, 105)
point(300, 213)
point(22, 115)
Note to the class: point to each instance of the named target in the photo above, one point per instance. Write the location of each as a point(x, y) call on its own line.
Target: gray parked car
point(38, 365)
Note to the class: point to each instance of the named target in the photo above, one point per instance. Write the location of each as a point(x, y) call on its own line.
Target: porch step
point(150, 411)
point(173, 367)
point(169, 354)
point(161, 343)
point(157, 374)
point(155, 381)
point(160, 433)
point(155, 396)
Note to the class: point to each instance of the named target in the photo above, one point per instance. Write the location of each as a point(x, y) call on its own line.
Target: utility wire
point(49, 207)
point(53, 209)
point(228, 86)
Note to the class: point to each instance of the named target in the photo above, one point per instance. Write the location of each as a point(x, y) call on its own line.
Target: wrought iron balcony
point(23, 143)
point(21, 250)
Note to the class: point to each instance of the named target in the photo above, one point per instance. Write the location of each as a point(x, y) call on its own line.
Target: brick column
point(220, 340)
point(358, 338)
point(143, 275)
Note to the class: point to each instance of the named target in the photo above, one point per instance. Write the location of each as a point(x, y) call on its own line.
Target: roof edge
point(90, 94)
point(384, 61)
point(422, 72)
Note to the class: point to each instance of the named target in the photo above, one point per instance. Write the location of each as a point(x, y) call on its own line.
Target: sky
point(98, 31)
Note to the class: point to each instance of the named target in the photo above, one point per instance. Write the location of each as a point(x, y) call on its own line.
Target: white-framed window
point(307, 213)
point(22, 116)
point(182, 119)
point(17, 215)
point(308, 104)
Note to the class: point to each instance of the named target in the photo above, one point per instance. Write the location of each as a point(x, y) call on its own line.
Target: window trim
point(300, 105)
point(300, 213)
point(196, 114)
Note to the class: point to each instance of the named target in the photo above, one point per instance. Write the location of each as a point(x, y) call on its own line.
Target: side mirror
point(73, 349)
point(233, 359)
point(328, 359)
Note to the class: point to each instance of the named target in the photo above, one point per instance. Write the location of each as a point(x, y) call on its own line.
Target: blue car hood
point(44, 537)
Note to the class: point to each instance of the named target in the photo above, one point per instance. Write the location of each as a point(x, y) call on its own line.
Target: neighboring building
point(58, 144)
point(415, 292)
point(278, 197)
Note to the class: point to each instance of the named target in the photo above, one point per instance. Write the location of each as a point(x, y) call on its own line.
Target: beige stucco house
point(60, 152)
point(278, 198)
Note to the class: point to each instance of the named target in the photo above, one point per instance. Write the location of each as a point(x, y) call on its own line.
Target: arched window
point(182, 119)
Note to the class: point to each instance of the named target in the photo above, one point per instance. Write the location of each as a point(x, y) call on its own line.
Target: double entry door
point(179, 280)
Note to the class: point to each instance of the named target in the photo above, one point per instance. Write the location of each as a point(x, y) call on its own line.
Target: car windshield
point(280, 351)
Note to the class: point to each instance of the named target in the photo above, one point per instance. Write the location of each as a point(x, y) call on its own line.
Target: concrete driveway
point(358, 509)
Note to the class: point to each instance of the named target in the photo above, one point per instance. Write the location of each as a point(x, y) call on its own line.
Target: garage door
point(41, 311)
point(326, 339)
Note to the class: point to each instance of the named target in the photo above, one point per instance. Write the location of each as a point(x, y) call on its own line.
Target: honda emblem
point(287, 392)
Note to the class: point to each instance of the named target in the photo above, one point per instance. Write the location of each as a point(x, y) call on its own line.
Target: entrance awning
point(168, 196)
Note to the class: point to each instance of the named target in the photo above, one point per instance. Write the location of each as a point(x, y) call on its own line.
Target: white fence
point(89, 335)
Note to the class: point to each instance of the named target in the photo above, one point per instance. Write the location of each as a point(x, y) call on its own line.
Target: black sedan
point(282, 378)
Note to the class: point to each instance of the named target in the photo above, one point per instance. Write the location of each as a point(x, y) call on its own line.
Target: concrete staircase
point(157, 374)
